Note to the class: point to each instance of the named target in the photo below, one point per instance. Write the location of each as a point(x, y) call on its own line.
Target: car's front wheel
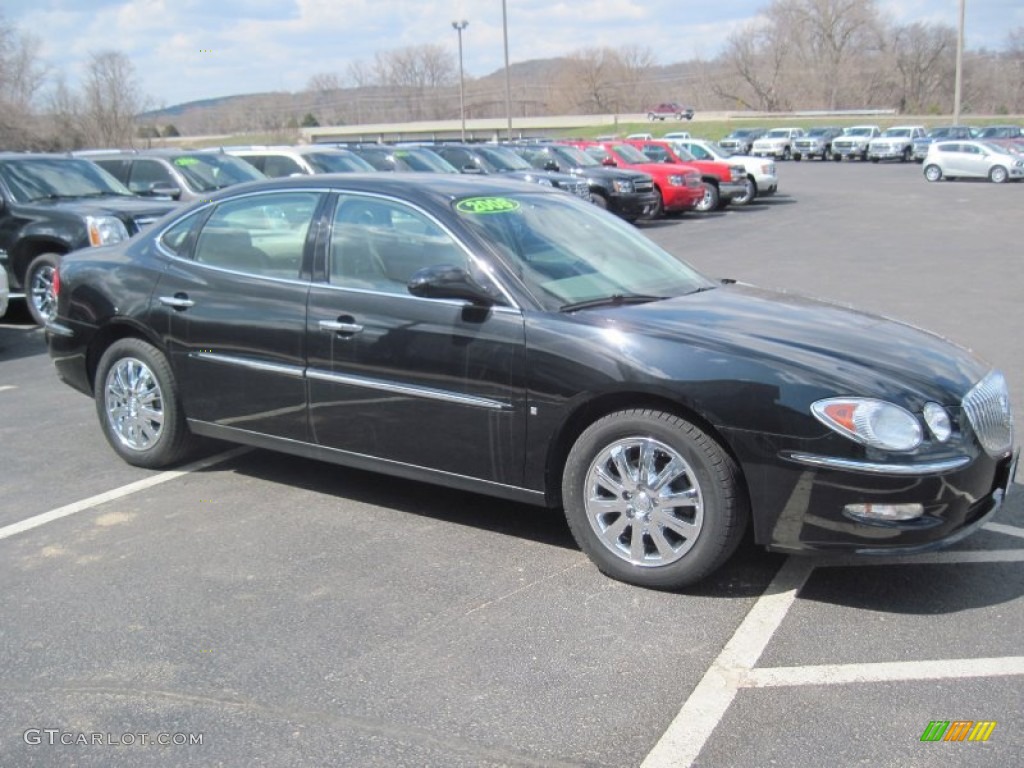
point(138, 406)
point(39, 287)
point(710, 200)
point(932, 173)
point(652, 499)
point(998, 174)
point(749, 192)
point(658, 209)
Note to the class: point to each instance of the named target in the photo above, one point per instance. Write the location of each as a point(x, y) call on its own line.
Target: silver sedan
point(972, 159)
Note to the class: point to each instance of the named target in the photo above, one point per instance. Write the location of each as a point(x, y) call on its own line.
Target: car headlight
point(676, 181)
point(871, 422)
point(623, 186)
point(105, 230)
point(938, 422)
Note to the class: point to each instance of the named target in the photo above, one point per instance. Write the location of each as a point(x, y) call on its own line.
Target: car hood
point(831, 346)
point(116, 205)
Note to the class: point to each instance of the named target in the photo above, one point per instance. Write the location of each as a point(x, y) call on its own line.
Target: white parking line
point(117, 493)
point(689, 731)
point(831, 674)
point(1009, 530)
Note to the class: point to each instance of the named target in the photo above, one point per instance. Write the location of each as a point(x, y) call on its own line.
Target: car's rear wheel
point(710, 200)
point(39, 287)
point(138, 406)
point(932, 172)
point(998, 174)
point(652, 499)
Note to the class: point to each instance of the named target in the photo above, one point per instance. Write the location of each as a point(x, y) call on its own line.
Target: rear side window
point(276, 166)
point(115, 167)
point(178, 238)
point(259, 235)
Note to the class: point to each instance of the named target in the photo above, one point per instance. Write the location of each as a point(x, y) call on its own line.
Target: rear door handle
point(178, 301)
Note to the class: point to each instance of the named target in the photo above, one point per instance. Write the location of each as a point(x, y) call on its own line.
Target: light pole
point(959, 66)
point(458, 26)
point(508, 77)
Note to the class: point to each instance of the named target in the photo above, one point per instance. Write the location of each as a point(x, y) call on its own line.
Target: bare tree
point(112, 99)
point(21, 76)
point(924, 58)
point(757, 56)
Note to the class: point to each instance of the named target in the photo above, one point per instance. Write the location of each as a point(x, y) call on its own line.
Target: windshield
point(207, 172)
point(337, 162)
point(567, 251)
point(574, 157)
point(630, 154)
point(996, 132)
point(742, 133)
point(896, 132)
point(31, 179)
point(859, 131)
point(777, 133)
point(422, 160)
point(504, 159)
point(819, 131)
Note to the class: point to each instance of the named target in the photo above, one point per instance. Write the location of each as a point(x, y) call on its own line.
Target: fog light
point(872, 513)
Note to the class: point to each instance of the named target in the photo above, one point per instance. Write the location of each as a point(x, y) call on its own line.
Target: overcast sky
point(185, 50)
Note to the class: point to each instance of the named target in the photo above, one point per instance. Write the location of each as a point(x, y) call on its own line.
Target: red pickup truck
point(678, 187)
point(727, 182)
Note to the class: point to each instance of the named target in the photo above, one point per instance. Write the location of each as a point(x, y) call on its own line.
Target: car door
point(973, 161)
point(413, 381)
point(232, 303)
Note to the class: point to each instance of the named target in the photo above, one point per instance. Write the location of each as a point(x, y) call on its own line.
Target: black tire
point(599, 200)
point(39, 296)
point(134, 374)
point(837, 158)
point(659, 206)
point(787, 153)
point(749, 194)
point(905, 157)
point(678, 544)
point(710, 200)
point(874, 159)
point(798, 157)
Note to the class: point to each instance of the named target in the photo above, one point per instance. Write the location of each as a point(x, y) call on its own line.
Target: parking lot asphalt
point(284, 612)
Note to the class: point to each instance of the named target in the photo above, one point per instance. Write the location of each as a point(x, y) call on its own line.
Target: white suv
point(778, 142)
point(895, 143)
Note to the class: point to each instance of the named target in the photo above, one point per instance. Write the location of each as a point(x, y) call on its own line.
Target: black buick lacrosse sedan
point(512, 340)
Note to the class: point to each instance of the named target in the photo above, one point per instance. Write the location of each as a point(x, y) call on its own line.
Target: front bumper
point(682, 198)
point(632, 203)
point(853, 151)
point(885, 153)
point(730, 189)
point(769, 151)
point(806, 499)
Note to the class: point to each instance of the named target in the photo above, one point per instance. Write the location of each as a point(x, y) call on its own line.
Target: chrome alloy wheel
point(41, 292)
point(644, 502)
point(134, 404)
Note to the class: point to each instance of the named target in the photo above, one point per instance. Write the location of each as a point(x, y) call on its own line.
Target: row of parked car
point(53, 204)
point(862, 142)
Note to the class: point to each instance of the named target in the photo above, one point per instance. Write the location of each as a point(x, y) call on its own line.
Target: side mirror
point(551, 165)
point(163, 189)
point(446, 281)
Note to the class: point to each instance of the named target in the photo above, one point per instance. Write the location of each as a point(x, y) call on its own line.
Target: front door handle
point(336, 326)
point(178, 301)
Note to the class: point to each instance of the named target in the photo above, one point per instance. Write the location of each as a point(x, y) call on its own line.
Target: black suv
point(487, 159)
point(52, 204)
point(175, 173)
point(629, 194)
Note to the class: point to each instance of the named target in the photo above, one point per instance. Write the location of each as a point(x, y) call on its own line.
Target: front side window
point(147, 174)
point(260, 235)
point(379, 245)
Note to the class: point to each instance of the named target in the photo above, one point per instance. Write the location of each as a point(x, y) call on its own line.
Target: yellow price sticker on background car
point(486, 205)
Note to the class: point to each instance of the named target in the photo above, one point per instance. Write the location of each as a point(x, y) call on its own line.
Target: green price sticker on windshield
point(186, 161)
point(486, 205)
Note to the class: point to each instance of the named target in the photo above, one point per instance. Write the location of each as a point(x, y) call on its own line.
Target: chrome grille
point(987, 406)
point(579, 188)
point(643, 185)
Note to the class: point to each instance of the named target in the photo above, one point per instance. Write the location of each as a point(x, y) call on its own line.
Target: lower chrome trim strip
point(875, 468)
point(256, 365)
point(409, 389)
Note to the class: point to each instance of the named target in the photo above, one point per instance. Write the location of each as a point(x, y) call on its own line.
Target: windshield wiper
point(615, 300)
